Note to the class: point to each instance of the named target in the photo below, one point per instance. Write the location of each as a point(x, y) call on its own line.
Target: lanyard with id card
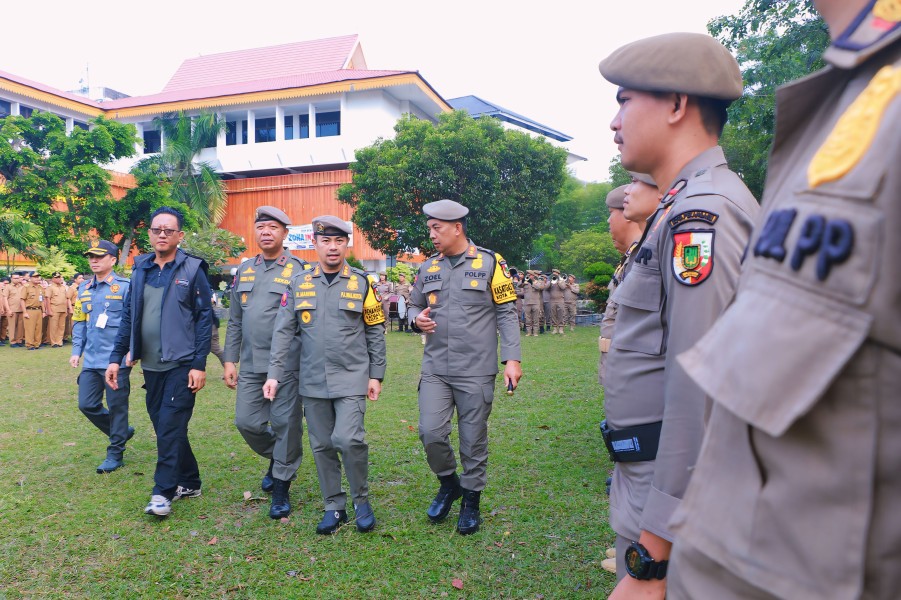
point(102, 319)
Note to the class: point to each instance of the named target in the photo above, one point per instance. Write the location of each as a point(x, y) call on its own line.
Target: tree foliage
point(18, 235)
point(508, 179)
point(584, 248)
point(215, 246)
point(618, 173)
point(775, 41)
point(51, 260)
point(45, 170)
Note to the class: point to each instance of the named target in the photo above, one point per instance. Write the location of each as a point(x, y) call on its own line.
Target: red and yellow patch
point(284, 299)
point(692, 256)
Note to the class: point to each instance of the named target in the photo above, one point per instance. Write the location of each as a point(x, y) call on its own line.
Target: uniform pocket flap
point(245, 286)
point(475, 284)
point(774, 353)
point(432, 286)
point(642, 289)
point(352, 305)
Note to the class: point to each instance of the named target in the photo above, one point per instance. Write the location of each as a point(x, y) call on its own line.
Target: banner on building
point(300, 237)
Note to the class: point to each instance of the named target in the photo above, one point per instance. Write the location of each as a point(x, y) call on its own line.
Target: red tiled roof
point(246, 87)
point(330, 54)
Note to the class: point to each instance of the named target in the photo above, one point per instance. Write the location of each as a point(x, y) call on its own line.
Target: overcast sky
point(539, 61)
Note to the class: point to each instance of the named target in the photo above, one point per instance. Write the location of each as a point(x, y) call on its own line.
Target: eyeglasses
point(165, 232)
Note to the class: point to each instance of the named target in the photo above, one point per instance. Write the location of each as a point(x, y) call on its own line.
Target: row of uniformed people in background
point(35, 312)
point(726, 440)
point(546, 302)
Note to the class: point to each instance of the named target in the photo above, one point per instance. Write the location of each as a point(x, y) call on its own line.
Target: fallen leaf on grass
point(457, 583)
point(248, 495)
point(410, 427)
point(250, 558)
point(213, 541)
point(232, 455)
point(543, 427)
point(285, 520)
point(68, 443)
point(202, 517)
point(138, 473)
point(499, 544)
point(404, 421)
point(116, 536)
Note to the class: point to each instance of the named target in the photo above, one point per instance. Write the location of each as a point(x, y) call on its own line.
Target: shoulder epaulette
point(491, 252)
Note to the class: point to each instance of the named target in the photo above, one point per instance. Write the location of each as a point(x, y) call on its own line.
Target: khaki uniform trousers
point(558, 314)
point(33, 327)
point(546, 314)
point(473, 398)
point(336, 425)
point(272, 428)
point(533, 317)
point(16, 328)
point(57, 328)
point(4, 328)
point(569, 311)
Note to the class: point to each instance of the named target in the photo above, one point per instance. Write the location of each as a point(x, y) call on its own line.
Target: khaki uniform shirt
point(799, 481)
point(33, 296)
point(403, 289)
point(58, 297)
point(570, 293)
point(339, 325)
point(72, 295)
point(679, 280)
point(15, 298)
point(471, 302)
point(4, 298)
point(532, 292)
point(384, 288)
point(255, 299)
point(608, 320)
point(555, 291)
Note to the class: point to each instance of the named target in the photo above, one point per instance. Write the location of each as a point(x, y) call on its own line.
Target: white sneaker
point(183, 492)
point(159, 506)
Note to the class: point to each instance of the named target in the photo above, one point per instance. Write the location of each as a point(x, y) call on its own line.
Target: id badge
point(101, 321)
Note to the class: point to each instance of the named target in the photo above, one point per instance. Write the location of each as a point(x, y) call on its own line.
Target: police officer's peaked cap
point(270, 213)
point(615, 197)
point(644, 178)
point(56, 274)
point(102, 248)
point(330, 225)
point(687, 63)
point(445, 210)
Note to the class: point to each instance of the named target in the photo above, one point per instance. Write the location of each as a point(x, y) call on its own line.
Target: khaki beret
point(445, 210)
point(643, 178)
point(687, 63)
point(329, 225)
point(615, 197)
point(270, 213)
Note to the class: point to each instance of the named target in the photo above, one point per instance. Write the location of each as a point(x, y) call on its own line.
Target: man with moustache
point(795, 494)
point(673, 91)
point(167, 324)
point(272, 428)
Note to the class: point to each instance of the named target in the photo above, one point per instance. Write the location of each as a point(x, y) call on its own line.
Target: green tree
point(546, 252)
point(618, 173)
point(18, 235)
point(407, 270)
point(45, 168)
point(775, 41)
point(215, 246)
point(585, 248)
point(579, 206)
point(51, 260)
point(508, 179)
point(194, 183)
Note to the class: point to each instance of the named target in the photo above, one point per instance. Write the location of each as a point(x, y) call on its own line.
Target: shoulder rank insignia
point(855, 130)
point(692, 256)
point(888, 10)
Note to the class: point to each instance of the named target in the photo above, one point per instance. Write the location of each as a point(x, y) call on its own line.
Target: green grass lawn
point(67, 532)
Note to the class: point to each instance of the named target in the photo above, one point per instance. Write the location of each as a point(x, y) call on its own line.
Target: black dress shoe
point(470, 519)
point(281, 502)
point(331, 521)
point(268, 483)
point(449, 491)
point(365, 517)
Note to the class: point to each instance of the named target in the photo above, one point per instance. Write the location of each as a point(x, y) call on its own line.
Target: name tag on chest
point(101, 321)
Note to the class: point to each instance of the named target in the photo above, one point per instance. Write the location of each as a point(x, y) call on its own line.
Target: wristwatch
point(641, 566)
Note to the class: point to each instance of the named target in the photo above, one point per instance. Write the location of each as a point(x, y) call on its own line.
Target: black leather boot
point(331, 521)
point(470, 519)
point(281, 504)
point(267, 482)
point(449, 491)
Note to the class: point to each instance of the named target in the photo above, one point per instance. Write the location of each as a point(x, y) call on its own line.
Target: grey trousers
point(113, 422)
point(272, 428)
point(473, 398)
point(333, 426)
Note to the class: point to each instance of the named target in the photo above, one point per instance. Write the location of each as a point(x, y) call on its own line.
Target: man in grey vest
point(668, 126)
point(336, 315)
point(272, 428)
point(167, 324)
point(462, 298)
point(795, 494)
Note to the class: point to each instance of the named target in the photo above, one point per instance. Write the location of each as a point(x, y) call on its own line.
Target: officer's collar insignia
point(694, 215)
point(471, 252)
point(346, 270)
point(282, 260)
point(259, 260)
point(692, 256)
point(855, 130)
point(109, 278)
point(315, 273)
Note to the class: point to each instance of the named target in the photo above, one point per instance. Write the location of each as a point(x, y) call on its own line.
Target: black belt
point(32, 308)
point(632, 444)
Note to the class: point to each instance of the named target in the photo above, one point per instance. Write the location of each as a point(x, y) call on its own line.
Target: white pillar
point(251, 127)
point(239, 132)
point(14, 109)
point(70, 125)
point(279, 124)
point(312, 121)
point(220, 137)
point(295, 119)
point(162, 140)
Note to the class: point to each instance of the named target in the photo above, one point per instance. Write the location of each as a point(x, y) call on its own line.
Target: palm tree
point(18, 235)
point(194, 182)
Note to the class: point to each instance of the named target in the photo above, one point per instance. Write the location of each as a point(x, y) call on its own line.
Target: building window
point(289, 128)
point(244, 131)
point(25, 111)
point(5, 109)
point(304, 126)
point(328, 124)
point(153, 142)
point(81, 125)
point(265, 130)
point(231, 133)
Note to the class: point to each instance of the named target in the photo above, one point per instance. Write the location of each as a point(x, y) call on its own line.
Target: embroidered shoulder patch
point(855, 130)
point(501, 285)
point(285, 299)
point(372, 308)
point(692, 256)
point(694, 215)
